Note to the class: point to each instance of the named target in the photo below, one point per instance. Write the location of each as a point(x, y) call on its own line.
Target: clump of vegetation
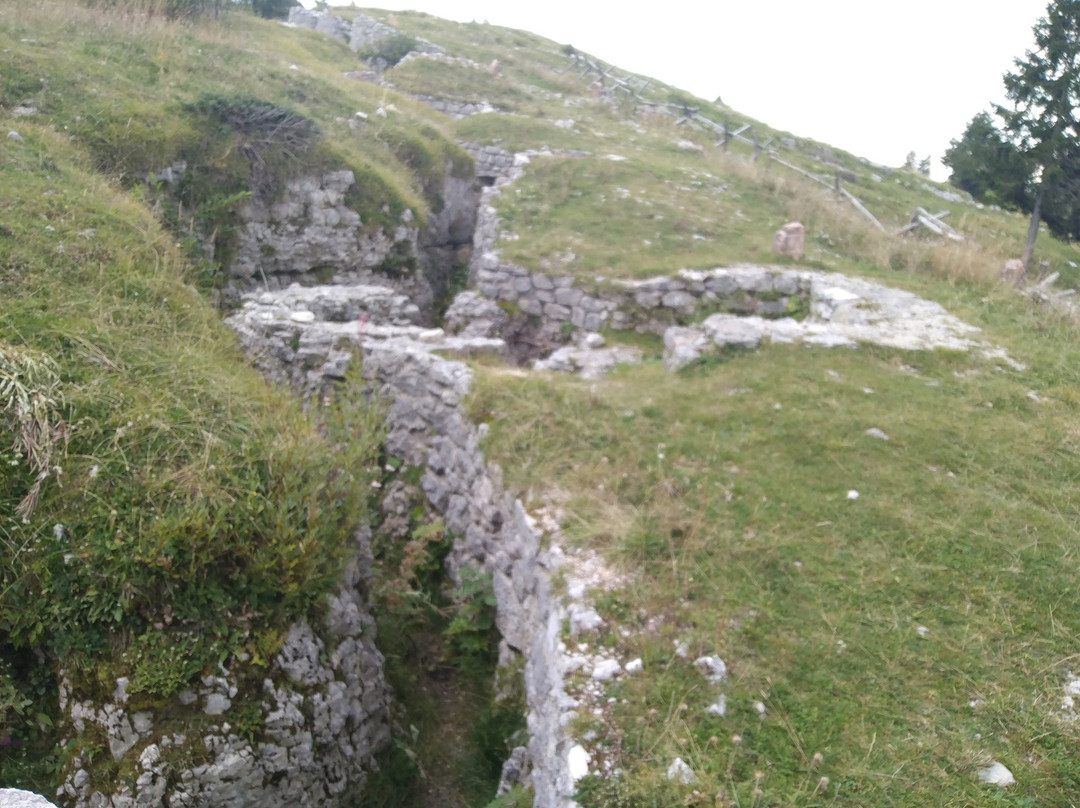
point(390, 49)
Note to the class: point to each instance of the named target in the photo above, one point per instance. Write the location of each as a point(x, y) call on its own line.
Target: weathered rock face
point(321, 21)
point(365, 33)
point(310, 235)
point(17, 798)
point(302, 732)
point(310, 229)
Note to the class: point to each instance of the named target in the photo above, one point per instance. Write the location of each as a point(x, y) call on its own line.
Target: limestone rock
point(17, 798)
point(737, 332)
point(683, 346)
point(319, 742)
point(713, 669)
point(681, 772)
point(473, 315)
point(790, 240)
point(1014, 272)
point(996, 774)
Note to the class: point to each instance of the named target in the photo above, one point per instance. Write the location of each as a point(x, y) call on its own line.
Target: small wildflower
point(817, 759)
point(759, 776)
point(736, 739)
point(822, 784)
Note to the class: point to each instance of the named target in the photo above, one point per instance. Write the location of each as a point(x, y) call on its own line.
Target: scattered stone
point(852, 494)
point(606, 669)
point(874, 432)
point(759, 706)
point(635, 666)
point(22, 111)
point(217, 704)
point(713, 668)
point(922, 631)
point(1014, 272)
point(790, 240)
point(718, 707)
point(996, 774)
point(681, 772)
point(13, 135)
point(583, 619)
point(577, 762)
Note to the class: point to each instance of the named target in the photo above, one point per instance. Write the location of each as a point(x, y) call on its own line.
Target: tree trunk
point(1033, 230)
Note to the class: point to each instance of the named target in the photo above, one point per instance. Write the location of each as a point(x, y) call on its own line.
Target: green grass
point(130, 89)
point(733, 204)
point(196, 498)
point(189, 506)
point(730, 517)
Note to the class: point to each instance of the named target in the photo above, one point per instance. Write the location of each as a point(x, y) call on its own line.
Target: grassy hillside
point(895, 642)
point(668, 207)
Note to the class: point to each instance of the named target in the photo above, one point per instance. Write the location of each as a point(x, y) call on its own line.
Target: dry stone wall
point(428, 429)
point(310, 235)
point(323, 705)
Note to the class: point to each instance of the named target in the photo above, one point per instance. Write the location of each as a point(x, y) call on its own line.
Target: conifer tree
point(1045, 93)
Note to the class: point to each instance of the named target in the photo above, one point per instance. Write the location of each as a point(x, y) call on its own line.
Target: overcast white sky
point(877, 79)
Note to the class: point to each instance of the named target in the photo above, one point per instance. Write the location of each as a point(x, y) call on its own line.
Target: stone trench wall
point(428, 428)
point(650, 305)
point(323, 702)
point(309, 236)
point(302, 337)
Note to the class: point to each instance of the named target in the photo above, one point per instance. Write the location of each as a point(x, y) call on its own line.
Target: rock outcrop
point(363, 34)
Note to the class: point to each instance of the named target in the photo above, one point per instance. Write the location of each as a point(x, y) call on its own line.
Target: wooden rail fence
point(608, 80)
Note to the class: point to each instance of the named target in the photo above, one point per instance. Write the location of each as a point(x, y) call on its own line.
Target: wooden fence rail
point(635, 86)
